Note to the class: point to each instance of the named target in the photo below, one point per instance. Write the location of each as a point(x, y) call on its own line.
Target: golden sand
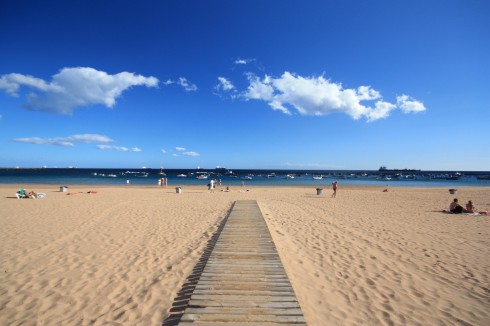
point(367, 257)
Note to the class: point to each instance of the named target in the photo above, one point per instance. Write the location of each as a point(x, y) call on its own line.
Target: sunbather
point(470, 208)
point(456, 208)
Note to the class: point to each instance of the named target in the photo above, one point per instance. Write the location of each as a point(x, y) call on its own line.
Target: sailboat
point(161, 171)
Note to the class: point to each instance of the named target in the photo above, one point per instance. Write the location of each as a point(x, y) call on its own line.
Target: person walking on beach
point(211, 185)
point(335, 185)
point(159, 182)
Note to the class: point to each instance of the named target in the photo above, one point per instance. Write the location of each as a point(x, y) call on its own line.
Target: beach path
point(244, 281)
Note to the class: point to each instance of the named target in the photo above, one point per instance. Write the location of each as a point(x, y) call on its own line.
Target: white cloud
point(11, 83)
point(318, 96)
point(224, 85)
point(66, 141)
point(240, 61)
point(73, 88)
point(381, 110)
point(408, 104)
point(179, 148)
point(113, 148)
point(182, 81)
point(188, 86)
point(163, 151)
point(259, 89)
point(136, 149)
point(42, 141)
point(190, 154)
point(90, 138)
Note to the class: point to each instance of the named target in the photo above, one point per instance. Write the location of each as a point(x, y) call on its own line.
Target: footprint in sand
point(370, 282)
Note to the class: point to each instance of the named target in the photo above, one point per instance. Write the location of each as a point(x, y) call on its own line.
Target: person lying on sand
point(90, 192)
point(470, 208)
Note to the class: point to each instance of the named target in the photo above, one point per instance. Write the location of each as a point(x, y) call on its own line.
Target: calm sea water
point(119, 177)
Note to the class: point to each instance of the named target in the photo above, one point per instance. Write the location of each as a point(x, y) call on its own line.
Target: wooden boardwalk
point(243, 282)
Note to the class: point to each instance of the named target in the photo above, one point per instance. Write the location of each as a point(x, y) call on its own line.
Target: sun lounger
point(21, 194)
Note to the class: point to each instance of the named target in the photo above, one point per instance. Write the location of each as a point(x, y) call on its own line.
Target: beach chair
point(21, 194)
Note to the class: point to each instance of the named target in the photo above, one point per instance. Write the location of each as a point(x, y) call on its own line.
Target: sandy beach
point(367, 257)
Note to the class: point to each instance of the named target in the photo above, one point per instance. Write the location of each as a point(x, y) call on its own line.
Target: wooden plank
point(194, 323)
point(211, 290)
point(241, 318)
point(233, 262)
point(211, 276)
point(246, 311)
point(244, 264)
point(254, 278)
point(255, 298)
point(278, 283)
point(214, 303)
point(247, 290)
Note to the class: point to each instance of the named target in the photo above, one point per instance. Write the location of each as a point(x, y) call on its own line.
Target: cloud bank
point(73, 88)
point(70, 141)
point(66, 141)
point(317, 96)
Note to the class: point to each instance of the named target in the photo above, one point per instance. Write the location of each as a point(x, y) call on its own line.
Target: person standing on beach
point(335, 185)
point(211, 185)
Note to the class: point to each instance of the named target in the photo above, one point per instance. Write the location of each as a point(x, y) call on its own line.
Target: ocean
point(148, 177)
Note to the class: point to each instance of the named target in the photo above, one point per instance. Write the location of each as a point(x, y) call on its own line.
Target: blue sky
point(245, 84)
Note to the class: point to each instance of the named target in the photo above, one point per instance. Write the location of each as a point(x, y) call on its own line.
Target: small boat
point(247, 177)
point(289, 176)
point(272, 175)
point(317, 177)
point(161, 171)
point(112, 175)
point(202, 176)
point(182, 175)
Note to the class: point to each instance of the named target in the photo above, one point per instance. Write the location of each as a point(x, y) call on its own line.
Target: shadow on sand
point(185, 293)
